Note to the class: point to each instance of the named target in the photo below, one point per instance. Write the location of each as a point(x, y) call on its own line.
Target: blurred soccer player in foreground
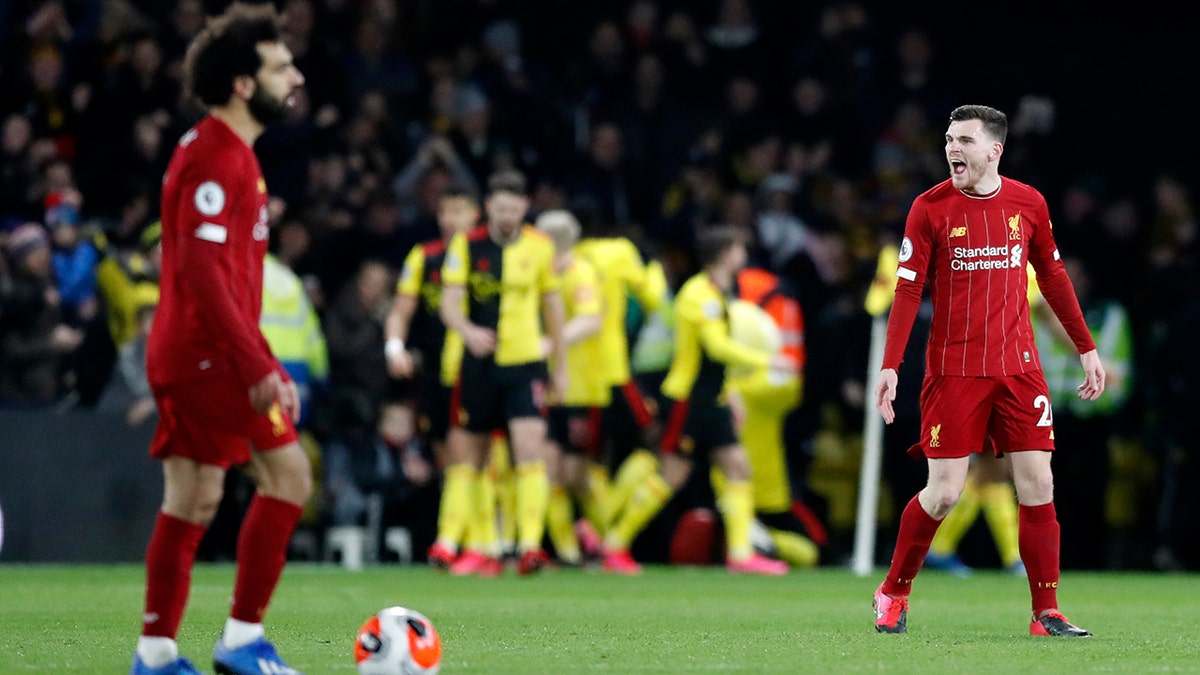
point(224, 400)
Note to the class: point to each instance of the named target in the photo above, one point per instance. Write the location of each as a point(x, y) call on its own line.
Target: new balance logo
point(958, 231)
point(275, 668)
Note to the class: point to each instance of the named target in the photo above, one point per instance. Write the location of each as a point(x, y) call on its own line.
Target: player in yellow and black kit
point(499, 291)
point(432, 353)
point(627, 426)
point(574, 418)
point(698, 422)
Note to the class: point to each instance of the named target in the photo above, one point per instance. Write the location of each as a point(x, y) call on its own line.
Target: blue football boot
point(257, 658)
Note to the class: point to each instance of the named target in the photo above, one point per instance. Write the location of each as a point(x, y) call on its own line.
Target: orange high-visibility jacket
point(762, 288)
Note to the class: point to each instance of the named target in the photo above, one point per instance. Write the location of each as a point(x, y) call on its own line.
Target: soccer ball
point(398, 641)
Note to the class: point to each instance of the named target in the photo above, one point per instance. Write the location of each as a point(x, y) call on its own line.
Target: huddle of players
point(521, 333)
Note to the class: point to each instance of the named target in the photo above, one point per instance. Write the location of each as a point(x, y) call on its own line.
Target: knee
point(290, 480)
point(938, 500)
point(1035, 489)
point(736, 465)
point(298, 484)
point(198, 505)
point(676, 471)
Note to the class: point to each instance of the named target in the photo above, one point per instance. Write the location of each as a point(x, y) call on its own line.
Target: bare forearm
point(553, 317)
point(580, 328)
point(399, 319)
point(452, 310)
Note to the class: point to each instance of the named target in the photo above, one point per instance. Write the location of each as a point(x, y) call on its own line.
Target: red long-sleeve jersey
point(214, 237)
point(973, 251)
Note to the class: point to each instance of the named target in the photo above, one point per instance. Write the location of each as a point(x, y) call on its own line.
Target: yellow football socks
point(1000, 509)
point(630, 476)
point(595, 500)
point(795, 549)
point(482, 534)
point(560, 524)
point(645, 503)
point(737, 509)
point(504, 483)
point(533, 492)
point(456, 507)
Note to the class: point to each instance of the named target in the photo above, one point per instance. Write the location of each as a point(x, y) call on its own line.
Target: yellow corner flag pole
point(879, 300)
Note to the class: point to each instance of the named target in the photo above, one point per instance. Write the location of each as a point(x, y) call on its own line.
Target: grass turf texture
point(85, 619)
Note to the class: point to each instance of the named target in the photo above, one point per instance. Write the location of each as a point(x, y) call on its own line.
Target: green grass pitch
point(85, 619)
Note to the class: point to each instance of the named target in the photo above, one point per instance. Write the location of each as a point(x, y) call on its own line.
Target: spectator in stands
point(605, 178)
point(74, 260)
point(35, 342)
point(128, 280)
point(395, 464)
point(358, 378)
point(475, 139)
point(16, 140)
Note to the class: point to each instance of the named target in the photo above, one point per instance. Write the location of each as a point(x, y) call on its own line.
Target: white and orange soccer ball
point(398, 641)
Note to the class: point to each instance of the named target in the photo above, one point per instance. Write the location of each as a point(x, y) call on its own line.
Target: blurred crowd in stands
point(810, 125)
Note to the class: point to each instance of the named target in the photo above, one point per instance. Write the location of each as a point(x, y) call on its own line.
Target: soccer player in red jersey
point(970, 238)
point(223, 398)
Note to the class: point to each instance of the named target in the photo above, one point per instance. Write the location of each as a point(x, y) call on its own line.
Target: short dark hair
point(712, 242)
point(227, 48)
point(461, 191)
point(995, 123)
point(507, 180)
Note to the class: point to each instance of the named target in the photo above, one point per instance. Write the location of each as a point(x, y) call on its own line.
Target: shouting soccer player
point(223, 398)
point(970, 237)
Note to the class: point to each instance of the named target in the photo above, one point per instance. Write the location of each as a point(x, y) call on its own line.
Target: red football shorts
point(210, 420)
point(957, 413)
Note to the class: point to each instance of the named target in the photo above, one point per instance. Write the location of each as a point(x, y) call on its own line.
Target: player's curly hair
point(995, 122)
point(227, 48)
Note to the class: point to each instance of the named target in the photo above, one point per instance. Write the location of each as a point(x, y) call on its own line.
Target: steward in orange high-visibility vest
point(762, 288)
point(767, 397)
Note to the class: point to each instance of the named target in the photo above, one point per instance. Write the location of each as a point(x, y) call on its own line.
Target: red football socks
point(912, 543)
point(169, 558)
point(1039, 540)
point(261, 554)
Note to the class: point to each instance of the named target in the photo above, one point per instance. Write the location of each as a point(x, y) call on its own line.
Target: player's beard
point(507, 235)
point(266, 109)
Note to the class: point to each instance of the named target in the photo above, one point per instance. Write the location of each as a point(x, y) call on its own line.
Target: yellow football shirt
point(421, 277)
point(622, 275)
point(587, 381)
point(703, 346)
point(504, 288)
